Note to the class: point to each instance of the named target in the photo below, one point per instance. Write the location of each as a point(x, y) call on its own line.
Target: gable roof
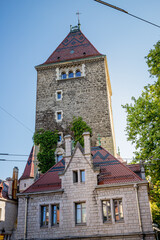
point(29, 169)
point(111, 171)
point(74, 46)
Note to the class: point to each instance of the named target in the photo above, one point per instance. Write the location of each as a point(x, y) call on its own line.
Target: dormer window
point(78, 73)
point(63, 75)
point(70, 75)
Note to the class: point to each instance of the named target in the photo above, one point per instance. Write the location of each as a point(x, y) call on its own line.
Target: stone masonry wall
point(92, 195)
point(82, 96)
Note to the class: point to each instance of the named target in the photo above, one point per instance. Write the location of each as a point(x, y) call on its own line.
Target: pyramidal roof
point(74, 46)
point(29, 169)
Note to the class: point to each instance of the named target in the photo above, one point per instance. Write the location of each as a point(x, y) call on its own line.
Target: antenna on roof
point(79, 25)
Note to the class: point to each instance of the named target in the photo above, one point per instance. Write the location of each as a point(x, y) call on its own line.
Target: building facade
point(87, 195)
point(74, 81)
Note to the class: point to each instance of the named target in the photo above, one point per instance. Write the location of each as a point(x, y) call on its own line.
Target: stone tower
point(74, 81)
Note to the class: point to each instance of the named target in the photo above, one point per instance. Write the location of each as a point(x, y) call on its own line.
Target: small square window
point(59, 95)
point(75, 176)
point(82, 174)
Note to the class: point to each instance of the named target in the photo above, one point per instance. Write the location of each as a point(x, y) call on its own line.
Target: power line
point(16, 119)
point(124, 11)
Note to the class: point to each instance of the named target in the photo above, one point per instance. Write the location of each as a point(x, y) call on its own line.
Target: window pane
point(82, 175)
point(63, 75)
point(83, 214)
point(59, 157)
point(55, 214)
point(75, 176)
point(59, 137)
point(120, 209)
point(44, 215)
point(78, 73)
point(58, 95)
point(70, 75)
point(59, 115)
point(106, 210)
point(78, 214)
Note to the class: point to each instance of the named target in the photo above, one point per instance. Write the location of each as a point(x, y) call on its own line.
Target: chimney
point(15, 181)
point(10, 185)
point(87, 145)
point(68, 149)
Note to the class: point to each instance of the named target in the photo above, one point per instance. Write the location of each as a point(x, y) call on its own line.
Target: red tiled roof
point(74, 46)
point(111, 171)
point(48, 181)
point(134, 167)
point(29, 169)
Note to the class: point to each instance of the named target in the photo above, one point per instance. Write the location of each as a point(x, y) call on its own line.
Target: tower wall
point(88, 96)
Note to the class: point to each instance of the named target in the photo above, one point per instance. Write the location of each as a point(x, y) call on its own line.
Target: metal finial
point(78, 13)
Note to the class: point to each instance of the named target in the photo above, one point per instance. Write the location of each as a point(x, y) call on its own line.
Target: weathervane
point(78, 13)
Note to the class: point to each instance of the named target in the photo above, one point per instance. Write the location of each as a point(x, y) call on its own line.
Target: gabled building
point(87, 195)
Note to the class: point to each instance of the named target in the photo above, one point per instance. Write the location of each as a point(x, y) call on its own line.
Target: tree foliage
point(143, 128)
point(78, 127)
point(47, 142)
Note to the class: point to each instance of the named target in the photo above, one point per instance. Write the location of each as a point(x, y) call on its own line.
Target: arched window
point(70, 75)
point(63, 75)
point(78, 73)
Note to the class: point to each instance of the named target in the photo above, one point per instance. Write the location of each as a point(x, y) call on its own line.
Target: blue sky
point(30, 32)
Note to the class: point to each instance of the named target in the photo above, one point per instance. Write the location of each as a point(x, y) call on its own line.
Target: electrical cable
point(16, 119)
point(122, 10)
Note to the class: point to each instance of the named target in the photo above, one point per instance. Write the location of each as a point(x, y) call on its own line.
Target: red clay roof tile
point(74, 46)
point(29, 169)
point(111, 171)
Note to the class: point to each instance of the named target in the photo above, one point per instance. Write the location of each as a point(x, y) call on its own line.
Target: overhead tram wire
point(124, 11)
point(16, 119)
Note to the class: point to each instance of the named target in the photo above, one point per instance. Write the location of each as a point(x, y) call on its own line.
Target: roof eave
point(43, 192)
point(68, 61)
point(142, 182)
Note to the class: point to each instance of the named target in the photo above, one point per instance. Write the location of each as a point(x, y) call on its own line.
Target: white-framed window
point(59, 95)
point(69, 72)
point(59, 115)
point(59, 154)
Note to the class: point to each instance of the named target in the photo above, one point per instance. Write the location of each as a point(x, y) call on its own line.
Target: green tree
point(143, 128)
point(47, 142)
point(78, 127)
